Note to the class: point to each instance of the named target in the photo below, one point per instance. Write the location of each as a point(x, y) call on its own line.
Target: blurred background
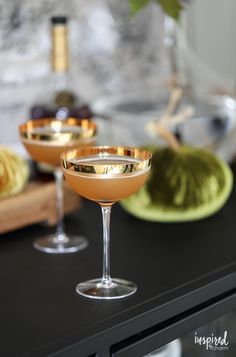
point(113, 55)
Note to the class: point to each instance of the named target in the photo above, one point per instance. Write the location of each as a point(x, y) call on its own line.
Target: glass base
point(95, 289)
point(69, 244)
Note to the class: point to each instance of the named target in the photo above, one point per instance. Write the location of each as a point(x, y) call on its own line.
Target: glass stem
point(60, 236)
point(106, 214)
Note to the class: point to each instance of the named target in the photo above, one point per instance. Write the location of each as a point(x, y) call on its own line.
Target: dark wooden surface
point(176, 267)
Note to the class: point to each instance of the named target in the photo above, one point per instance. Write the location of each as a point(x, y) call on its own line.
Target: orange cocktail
point(45, 139)
point(106, 175)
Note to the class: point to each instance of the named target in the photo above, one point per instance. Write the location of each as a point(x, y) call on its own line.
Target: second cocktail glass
point(45, 139)
point(106, 175)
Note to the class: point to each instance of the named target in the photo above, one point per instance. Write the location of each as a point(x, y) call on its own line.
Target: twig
point(168, 137)
point(175, 97)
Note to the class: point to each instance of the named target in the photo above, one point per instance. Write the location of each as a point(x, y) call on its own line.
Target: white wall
point(211, 43)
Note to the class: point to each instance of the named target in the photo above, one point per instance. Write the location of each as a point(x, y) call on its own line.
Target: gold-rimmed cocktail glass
point(45, 139)
point(106, 175)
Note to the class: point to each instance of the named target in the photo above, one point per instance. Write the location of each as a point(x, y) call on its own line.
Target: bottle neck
point(63, 98)
point(60, 49)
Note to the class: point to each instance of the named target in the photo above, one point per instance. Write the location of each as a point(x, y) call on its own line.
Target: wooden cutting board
point(37, 203)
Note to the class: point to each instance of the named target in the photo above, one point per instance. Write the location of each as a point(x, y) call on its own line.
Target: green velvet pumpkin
point(186, 184)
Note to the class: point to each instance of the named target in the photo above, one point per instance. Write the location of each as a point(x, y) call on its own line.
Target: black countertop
point(180, 269)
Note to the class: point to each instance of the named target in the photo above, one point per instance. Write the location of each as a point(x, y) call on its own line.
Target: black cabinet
point(185, 273)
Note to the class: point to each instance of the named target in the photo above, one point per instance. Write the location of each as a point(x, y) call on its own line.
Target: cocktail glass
point(45, 139)
point(106, 175)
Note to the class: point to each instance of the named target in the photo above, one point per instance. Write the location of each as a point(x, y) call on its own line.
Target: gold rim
point(58, 130)
point(77, 160)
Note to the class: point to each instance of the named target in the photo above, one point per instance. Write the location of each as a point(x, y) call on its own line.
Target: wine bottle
point(63, 102)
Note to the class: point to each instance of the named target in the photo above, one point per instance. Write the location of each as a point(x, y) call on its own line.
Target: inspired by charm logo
point(214, 343)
